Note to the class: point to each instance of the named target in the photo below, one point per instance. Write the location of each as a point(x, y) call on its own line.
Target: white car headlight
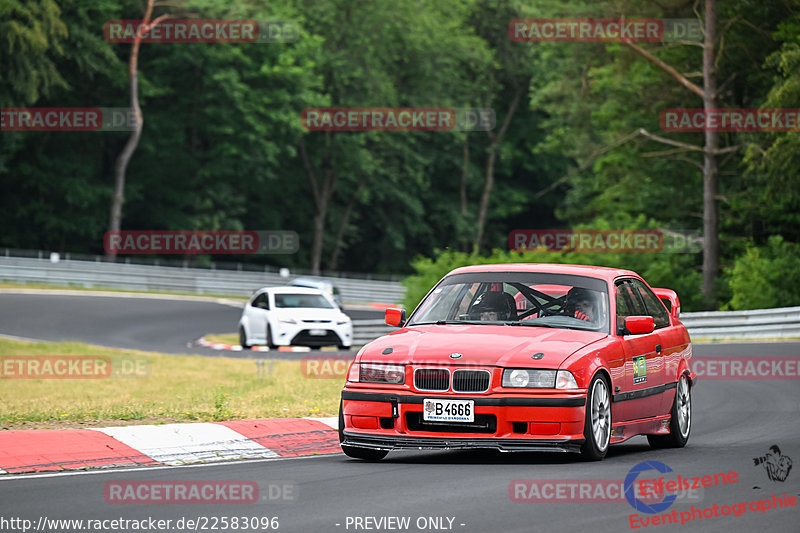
point(527, 378)
point(288, 320)
point(538, 379)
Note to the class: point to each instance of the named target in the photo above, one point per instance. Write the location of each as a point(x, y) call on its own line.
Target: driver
point(580, 304)
point(493, 305)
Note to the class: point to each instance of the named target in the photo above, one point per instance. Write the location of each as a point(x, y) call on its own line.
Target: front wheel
point(243, 339)
point(597, 428)
point(680, 423)
point(270, 344)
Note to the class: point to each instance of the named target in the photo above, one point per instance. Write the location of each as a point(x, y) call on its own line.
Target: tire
point(367, 454)
point(243, 338)
point(680, 424)
point(343, 347)
point(271, 345)
point(597, 427)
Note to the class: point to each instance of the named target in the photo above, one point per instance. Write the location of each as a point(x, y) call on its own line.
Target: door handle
point(658, 348)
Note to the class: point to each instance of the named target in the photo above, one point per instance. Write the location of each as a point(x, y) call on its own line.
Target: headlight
point(342, 322)
point(377, 373)
point(535, 379)
point(288, 320)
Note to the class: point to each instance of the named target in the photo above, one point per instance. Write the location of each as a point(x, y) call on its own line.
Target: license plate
point(436, 410)
point(317, 332)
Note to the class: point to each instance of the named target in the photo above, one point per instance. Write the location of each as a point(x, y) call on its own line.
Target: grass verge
point(224, 338)
point(164, 388)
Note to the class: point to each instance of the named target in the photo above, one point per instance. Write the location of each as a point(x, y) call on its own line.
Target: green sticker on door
point(639, 369)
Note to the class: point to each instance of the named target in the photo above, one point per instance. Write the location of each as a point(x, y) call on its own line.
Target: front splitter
point(443, 443)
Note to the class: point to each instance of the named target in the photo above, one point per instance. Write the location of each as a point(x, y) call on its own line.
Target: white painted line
point(186, 443)
point(332, 421)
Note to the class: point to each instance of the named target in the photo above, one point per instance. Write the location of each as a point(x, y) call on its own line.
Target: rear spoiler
point(671, 302)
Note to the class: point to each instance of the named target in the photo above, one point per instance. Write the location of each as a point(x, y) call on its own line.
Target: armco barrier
point(168, 278)
point(782, 322)
point(367, 330)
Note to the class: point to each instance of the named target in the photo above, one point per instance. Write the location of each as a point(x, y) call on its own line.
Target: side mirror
point(395, 317)
point(671, 302)
point(639, 325)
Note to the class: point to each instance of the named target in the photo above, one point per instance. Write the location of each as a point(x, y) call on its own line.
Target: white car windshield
point(519, 299)
point(302, 300)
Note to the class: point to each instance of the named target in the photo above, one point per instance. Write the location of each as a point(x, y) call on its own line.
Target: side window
point(261, 301)
point(628, 304)
point(652, 304)
point(623, 306)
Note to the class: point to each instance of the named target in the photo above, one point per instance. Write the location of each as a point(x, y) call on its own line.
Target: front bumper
point(287, 334)
point(526, 422)
point(443, 443)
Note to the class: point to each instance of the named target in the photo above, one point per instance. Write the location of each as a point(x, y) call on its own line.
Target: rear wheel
point(243, 339)
point(597, 428)
point(367, 454)
point(680, 424)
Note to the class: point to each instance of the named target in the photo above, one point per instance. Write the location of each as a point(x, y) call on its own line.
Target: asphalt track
point(149, 324)
point(733, 422)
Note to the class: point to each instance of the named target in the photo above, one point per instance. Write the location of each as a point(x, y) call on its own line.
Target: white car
point(325, 286)
point(294, 316)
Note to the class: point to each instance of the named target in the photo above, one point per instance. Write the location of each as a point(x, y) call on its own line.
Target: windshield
point(518, 299)
point(302, 300)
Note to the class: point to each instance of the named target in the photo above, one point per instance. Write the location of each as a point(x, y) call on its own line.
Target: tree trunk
point(494, 143)
point(333, 263)
point(488, 185)
point(316, 245)
point(710, 167)
point(462, 195)
point(322, 196)
point(121, 164)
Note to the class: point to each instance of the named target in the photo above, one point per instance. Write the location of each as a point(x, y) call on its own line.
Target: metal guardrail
point(365, 331)
point(783, 322)
point(170, 278)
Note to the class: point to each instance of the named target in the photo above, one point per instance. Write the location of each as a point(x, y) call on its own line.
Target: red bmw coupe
point(524, 357)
